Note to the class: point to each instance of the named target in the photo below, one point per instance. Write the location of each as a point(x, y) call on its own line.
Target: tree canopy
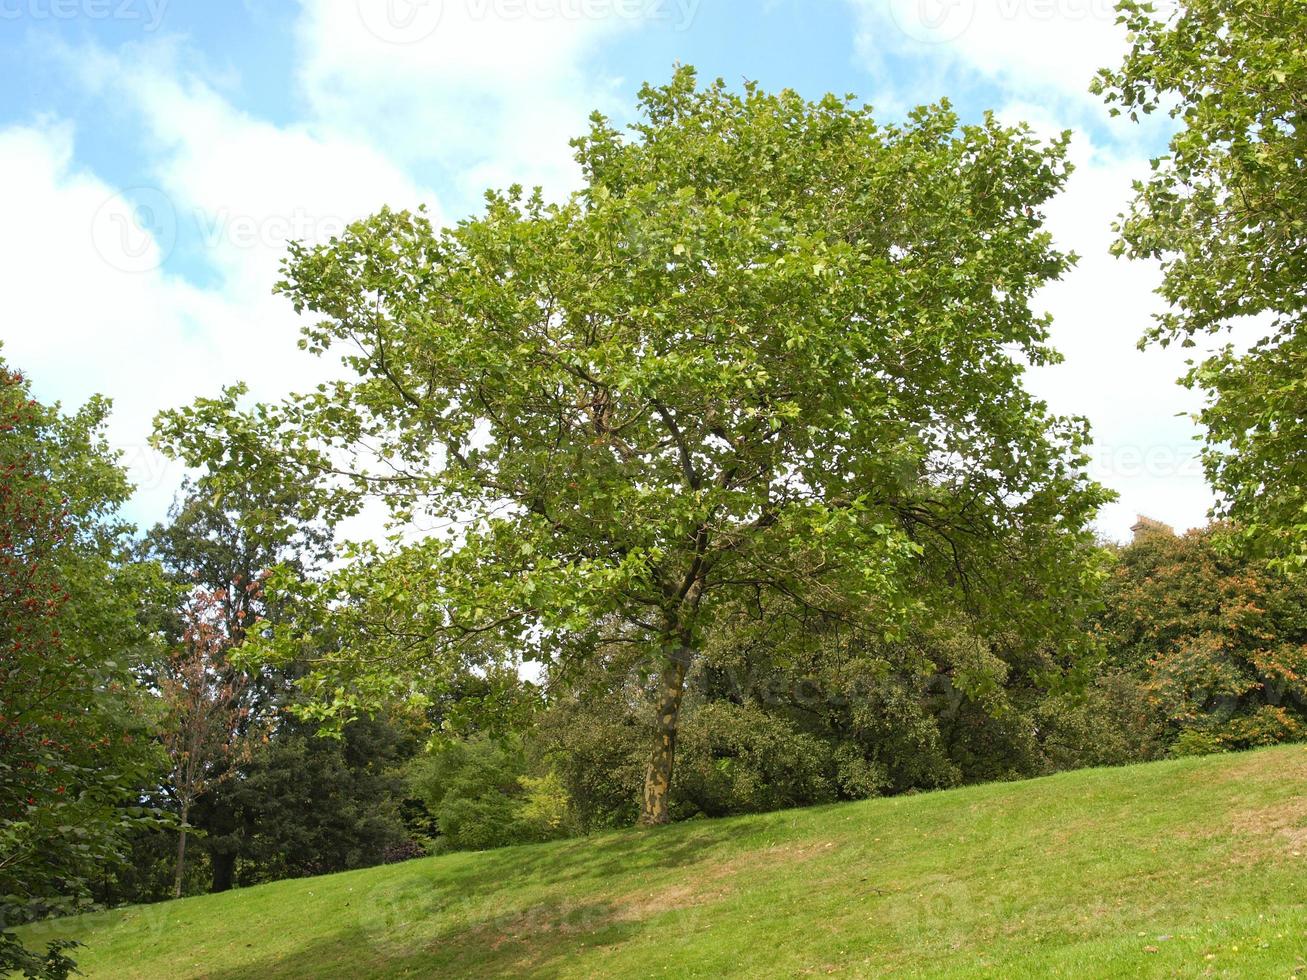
point(74, 726)
point(1223, 211)
point(770, 348)
point(1218, 640)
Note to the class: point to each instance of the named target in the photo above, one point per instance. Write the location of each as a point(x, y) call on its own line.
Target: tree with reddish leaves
point(1217, 640)
point(206, 736)
point(225, 545)
point(74, 724)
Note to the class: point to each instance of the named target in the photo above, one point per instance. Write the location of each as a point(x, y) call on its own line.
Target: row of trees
point(1199, 650)
point(127, 731)
point(1197, 647)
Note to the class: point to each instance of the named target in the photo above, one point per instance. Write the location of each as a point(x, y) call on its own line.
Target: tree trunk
point(181, 853)
point(658, 772)
point(224, 870)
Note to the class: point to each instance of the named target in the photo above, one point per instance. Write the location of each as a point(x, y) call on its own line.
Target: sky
point(156, 155)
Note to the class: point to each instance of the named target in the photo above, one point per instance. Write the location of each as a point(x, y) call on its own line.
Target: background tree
point(770, 348)
point(287, 803)
point(1223, 212)
point(307, 805)
point(204, 734)
point(74, 726)
point(222, 543)
point(1217, 641)
point(222, 539)
point(481, 793)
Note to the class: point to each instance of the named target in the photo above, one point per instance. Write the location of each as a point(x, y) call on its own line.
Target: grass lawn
point(1194, 867)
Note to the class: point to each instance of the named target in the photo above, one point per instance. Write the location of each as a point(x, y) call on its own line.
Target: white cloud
point(494, 44)
point(99, 313)
point(489, 90)
point(1028, 45)
point(240, 187)
point(1144, 444)
point(79, 323)
point(492, 95)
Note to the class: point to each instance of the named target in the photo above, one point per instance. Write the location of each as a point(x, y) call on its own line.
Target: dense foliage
point(254, 787)
point(1219, 641)
point(74, 726)
point(481, 794)
point(693, 388)
point(305, 805)
point(1200, 649)
point(1223, 212)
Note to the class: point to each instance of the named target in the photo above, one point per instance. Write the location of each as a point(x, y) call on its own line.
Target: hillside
point(1193, 867)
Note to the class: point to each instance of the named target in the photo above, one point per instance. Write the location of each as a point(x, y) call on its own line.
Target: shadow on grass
point(512, 911)
point(475, 952)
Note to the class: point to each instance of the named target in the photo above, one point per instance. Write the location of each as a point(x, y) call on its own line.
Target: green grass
point(1193, 867)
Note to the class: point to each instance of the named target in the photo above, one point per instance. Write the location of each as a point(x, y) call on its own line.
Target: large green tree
point(771, 347)
point(1223, 212)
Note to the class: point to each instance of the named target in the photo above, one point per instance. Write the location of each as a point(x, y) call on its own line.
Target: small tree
point(771, 347)
point(204, 735)
point(220, 542)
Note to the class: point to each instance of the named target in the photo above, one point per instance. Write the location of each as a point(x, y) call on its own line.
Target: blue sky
point(156, 154)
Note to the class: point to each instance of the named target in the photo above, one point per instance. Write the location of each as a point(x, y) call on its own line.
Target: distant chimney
point(1146, 525)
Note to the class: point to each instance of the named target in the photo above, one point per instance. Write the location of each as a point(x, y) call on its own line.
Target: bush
point(740, 759)
point(482, 795)
point(1195, 742)
point(597, 742)
point(1111, 722)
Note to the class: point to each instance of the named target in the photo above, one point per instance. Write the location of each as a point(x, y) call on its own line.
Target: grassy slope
point(1193, 867)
